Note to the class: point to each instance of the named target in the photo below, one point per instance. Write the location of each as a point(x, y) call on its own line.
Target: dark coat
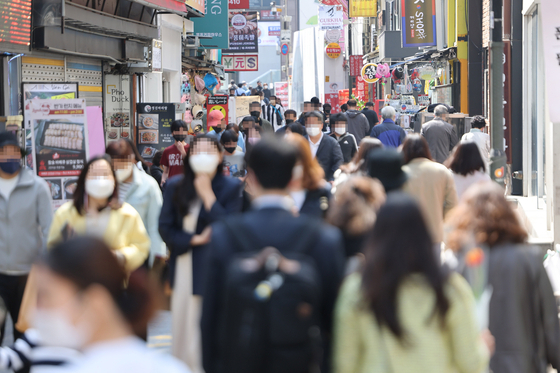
point(156, 173)
point(228, 195)
point(348, 145)
point(372, 118)
point(316, 203)
point(329, 156)
point(273, 227)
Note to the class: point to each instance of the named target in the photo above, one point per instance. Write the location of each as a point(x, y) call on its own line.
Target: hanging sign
point(333, 50)
point(333, 36)
point(243, 32)
point(330, 17)
point(238, 4)
point(368, 73)
point(217, 102)
point(249, 62)
point(365, 8)
point(356, 63)
point(418, 23)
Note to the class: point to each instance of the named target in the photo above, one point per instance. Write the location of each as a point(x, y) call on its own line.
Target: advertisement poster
point(217, 102)
point(243, 32)
point(242, 107)
point(281, 92)
point(268, 15)
point(343, 96)
point(366, 8)
point(418, 23)
point(214, 24)
point(330, 17)
point(33, 91)
point(269, 33)
point(356, 63)
point(361, 89)
point(116, 94)
point(154, 128)
point(59, 143)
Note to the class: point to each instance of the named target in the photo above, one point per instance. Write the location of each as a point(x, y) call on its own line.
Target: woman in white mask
point(83, 305)
point(141, 191)
point(96, 211)
point(193, 201)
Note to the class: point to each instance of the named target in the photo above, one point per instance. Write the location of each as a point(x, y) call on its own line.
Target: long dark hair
point(186, 192)
point(87, 261)
point(416, 146)
point(80, 193)
point(392, 256)
point(467, 159)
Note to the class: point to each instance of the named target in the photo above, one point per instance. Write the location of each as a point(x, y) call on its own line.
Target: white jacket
point(482, 140)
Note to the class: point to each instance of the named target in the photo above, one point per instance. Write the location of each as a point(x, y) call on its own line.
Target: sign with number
point(249, 62)
point(238, 4)
point(284, 49)
point(333, 50)
point(368, 73)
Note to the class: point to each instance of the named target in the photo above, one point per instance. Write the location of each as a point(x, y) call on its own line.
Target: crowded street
point(288, 186)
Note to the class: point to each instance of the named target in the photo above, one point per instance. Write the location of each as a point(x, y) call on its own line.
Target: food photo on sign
point(243, 32)
point(154, 128)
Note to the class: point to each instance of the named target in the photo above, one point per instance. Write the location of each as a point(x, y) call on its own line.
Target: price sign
point(238, 4)
point(368, 73)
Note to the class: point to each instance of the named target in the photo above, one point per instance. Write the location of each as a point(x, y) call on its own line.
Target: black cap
point(8, 138)
point(386, 165)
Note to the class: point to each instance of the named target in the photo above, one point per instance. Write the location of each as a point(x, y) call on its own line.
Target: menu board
point(116, 93)
point(154, 128)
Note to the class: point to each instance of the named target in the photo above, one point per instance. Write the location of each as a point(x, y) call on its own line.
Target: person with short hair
point(155, 169)
point(358, 124)
point(441, 136)
point(172, 158)
point(291, 117)
point(390, 134)
point(274, 113)
point(234, 160)
point(346, 140)
point(327, 118)
point(481, 139)
point(371, 115)
point(386, 165)
point(308, 107)
point(267, 92)
point(255, 111)
point(259, 86)
point(343, 108)
point(468, 167)
point(323, 147)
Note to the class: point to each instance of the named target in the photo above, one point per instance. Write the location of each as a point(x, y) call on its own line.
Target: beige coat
point(432, 185)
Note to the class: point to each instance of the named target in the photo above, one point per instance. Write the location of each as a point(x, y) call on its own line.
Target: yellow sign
point(368, 73)
point(362, 8)
point(333, 50)
point(220, 109)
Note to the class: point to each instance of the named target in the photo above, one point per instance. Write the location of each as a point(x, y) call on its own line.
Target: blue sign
point(284, 49)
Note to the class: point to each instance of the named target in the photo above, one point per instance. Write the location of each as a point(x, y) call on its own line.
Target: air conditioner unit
point(191, 42)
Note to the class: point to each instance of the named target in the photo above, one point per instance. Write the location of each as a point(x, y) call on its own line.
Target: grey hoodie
point(358, 124)
point(25, 220)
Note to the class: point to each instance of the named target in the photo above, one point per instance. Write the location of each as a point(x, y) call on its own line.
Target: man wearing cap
point(25, 219)
point(218, 123)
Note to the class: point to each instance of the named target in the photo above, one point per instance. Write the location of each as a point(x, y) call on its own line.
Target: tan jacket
point(432, 185)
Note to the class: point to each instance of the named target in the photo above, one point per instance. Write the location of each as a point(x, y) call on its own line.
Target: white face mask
point(313, 131)
point(100, 188)
point(340, 130)
point(123, 173)
point(204, 163)
point(56, 330)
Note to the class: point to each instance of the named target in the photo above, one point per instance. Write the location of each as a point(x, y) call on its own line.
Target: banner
point(333, 100)
point(243, 33)
point(365, 8)
point(154, 128)
point(242, 109)
point(356, 63)
point(116, 94)
point(330, 17)
point(418, 23)
point(281, 92)
point(268, 33)
point(58, 131)
point(213, 24)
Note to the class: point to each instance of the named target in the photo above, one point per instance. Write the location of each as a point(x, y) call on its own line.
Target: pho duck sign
point(418, 23)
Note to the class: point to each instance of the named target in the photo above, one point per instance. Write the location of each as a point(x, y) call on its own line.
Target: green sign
point(213, 28)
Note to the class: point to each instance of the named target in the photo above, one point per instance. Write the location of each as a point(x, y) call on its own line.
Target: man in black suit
point(371, 115)
point(323, 147)
point(270, 223)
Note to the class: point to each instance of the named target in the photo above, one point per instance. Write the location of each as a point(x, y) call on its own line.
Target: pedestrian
point(358, 164)
point(358, 124)
point(324, 148)
point(371, 115)
point(141, 191)
point(343, 108)
point(290, 117)
point(232, 84)
point(84, 306)
point(327, 118)
point(481, 139)
point(217, 122)
point(308, 107)
point(267, 92)
point(234, 160)
point(155, 169)
point(172, 158)
point(26, 210)
point(346, 140)
point(404, 312)
point(308, 188)
point(141, 164)
point(430, 183)
point(243, 90)
point(468, 167)
point(232, 92)
point(255, 111)
point(240, 140)
point(259, 86)
point(274, 113)
point(282, 340)
point(192, 202)
point(390, 134)
point(386, 165)
point(441, 136)
point(264, 102)
point(522, 314)
point(295, 128)
point(96, 211)
point(353, 210)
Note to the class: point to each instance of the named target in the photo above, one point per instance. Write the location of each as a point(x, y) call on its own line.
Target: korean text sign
point(154, 128)
point(418, 23)
point(243, 32)
point(214, 25)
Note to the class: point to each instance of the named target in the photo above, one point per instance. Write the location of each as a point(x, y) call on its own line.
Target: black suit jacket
point(329, 155)
point(316, 203)
point(372, 118)
point(272, 227)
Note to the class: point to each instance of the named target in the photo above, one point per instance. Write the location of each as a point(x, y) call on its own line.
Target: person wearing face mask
point(240, 140)
point(83, 305)
point(140, 191)
point(274, 113)
point(191, 203)
point(266, 91)
point(291, 117)
point(234, 160)
point(324, 148)
point(255, 111)
point(155, 169)
point(346, 140)
point(217, 122)
point(96, 211)
point(26, 210)
point(172, 159)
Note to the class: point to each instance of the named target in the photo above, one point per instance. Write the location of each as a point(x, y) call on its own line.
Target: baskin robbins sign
point(418, 23)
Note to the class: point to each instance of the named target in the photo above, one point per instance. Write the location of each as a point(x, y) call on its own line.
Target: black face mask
point(289, 121)
point(179, 137)
point(218, 129)
point(230, 149)
point(256, 114)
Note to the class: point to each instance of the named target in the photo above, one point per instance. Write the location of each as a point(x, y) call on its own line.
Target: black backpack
point(271, 305)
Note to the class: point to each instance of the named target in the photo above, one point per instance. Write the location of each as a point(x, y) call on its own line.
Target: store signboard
point(333, 50)
point(117, 113)
point(356, 63)
point(240, 62)
point(15, 22)
point(281, 92)
point(330, 17)
point(154, 128)
point(55, 91)
point(214, 25)
point(549, 10)
point(58, 132)
point(364, 8)
point(418, 27)
point(243, 33)
point(156, 61)
point(361, 89)
point(238, 4)
point(368, 73)
point(268, 33)
point(217, 102)
point(268, 15)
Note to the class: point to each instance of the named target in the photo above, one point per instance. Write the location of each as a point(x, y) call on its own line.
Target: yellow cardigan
point(362, 346)
point(125, 232)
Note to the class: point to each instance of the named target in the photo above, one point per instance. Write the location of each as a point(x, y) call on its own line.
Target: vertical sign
point(281, 92)
point(551, 40)
point(418, 27)
point(116, 93)
point(217, 102)
point(361, 88)
point(243, 32)
point(154, 128)
point(507, 98)
point(356, 63)
point(330, 17)
point(214, 24)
